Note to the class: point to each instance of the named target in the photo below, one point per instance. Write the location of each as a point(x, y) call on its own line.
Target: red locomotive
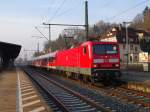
point(94, 61)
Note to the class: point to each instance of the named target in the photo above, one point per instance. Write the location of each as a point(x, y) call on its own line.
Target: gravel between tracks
point(101, 97)
point(69, 99)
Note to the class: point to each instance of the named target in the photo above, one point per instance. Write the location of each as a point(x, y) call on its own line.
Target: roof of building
point(9, 50)
point(120, 33)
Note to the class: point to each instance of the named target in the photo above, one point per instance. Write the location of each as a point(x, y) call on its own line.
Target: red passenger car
point(90, 60)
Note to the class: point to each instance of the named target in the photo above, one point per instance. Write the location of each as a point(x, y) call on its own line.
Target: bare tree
point(137, 22)
point(102, 27)
point(146, 23)
point(60, 43)
point(142, 21)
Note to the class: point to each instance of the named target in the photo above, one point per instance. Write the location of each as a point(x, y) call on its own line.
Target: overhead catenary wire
point(63, 13)
point(51, 18)
point(127, 10)
point(106, 4)
point(103, 7)
point(57, 10)
point(41, 33)
point(55, 15)
point(67, 11)
point(52, 4)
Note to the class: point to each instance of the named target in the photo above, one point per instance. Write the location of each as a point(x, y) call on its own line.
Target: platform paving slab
point(8, 86)
point(9, 101)
point(134, 76)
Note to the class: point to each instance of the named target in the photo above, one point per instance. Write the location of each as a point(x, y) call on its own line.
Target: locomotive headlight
point(95, 65)
point(96, 74)
point(117, 65)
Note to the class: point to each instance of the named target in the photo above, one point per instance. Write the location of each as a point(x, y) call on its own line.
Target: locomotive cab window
point(104, 49)
point(84, 50)
point(111, 49)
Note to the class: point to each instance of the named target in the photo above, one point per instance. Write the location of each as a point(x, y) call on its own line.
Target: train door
point(85, 61)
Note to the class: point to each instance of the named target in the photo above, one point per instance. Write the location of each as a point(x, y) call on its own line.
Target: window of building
point(131, 58)
point(136, 49)
point(136, 58)
point(124, 40)
point(124, 46)
point(136, 40)
point(131, 46)
point(131, 40)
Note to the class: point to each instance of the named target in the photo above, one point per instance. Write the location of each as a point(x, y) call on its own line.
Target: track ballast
point(66, 99)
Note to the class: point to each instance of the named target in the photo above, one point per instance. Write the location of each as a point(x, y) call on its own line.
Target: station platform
point(135, 76)
point(18, 93)
point(8, 88)
point(137, 80)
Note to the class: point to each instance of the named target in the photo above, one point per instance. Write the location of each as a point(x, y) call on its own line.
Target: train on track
point(92, 61)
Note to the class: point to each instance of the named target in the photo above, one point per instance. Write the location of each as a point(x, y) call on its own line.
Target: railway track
point(66, 99)
point(123, 93)
point(132, 96)
point(120, 99)
point(49, 100)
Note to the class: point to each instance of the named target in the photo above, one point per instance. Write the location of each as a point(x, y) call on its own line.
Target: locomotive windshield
point(104, 49)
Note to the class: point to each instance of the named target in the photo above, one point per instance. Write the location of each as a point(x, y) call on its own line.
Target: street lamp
point(127, 43)
point(86, 20)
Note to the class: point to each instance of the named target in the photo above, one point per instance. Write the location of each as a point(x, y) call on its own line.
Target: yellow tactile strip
point(29, 99)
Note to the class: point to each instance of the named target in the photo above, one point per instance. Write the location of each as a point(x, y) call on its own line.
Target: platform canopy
point(8, 52)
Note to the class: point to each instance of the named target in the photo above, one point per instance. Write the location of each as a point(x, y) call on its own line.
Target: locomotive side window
point(84, 50)
point(51, 59)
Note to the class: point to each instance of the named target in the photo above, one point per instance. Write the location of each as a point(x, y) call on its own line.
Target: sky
point(18, 18)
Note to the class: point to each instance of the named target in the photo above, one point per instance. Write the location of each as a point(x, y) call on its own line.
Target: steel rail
point(119, 105)
point(123, 97)
point(60, 104)
point(97, 106)
point(78, 95)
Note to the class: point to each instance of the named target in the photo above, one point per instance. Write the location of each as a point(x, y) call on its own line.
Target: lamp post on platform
point(127, 44)
point(86, 20)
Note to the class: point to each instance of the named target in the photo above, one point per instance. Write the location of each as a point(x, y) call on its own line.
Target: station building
point(8, 53)
point(137, 58)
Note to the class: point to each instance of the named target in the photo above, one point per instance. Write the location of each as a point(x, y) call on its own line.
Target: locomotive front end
point(106, 61)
